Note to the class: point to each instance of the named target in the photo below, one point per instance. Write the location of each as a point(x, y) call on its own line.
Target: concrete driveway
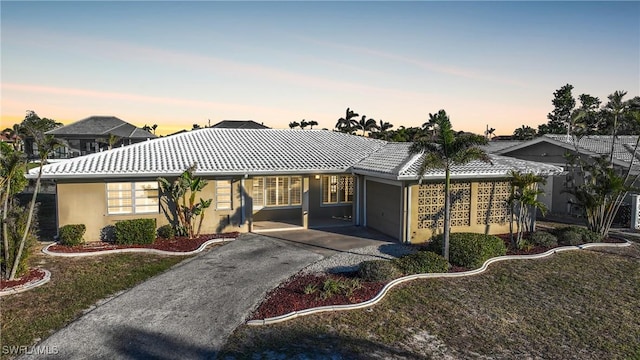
point(186, 313)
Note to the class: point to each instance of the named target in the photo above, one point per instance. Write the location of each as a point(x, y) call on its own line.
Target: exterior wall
point(86, 203)
point(383, 208)
point(477, 207)
point(541, 152)
point(319, 211)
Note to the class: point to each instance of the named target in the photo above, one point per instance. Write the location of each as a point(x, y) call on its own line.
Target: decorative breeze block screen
point(431, 205)
point(492, 206)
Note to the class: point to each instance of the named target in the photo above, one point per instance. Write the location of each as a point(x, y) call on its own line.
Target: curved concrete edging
point(131, 250)
point(390, 285)
point(28, 286)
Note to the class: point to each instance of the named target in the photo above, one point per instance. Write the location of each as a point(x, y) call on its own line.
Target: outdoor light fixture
point(317, 177)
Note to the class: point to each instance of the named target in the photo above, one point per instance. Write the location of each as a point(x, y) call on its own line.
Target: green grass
point(579, 304)
point(76, 284)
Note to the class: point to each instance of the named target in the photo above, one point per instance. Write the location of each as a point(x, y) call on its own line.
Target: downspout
point(407, 215)
point(242, 195)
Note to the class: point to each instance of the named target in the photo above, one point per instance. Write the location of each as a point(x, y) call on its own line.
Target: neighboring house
point(239, 124)
point(95, 134)
point(552, 149)
point(308, 178)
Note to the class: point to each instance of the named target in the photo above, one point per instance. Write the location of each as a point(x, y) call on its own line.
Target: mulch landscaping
point(290, 296)
point(176, 244)
point(33, 275)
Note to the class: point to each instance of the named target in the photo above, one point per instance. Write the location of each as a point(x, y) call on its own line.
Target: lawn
point(76, 285)
point(578, 304)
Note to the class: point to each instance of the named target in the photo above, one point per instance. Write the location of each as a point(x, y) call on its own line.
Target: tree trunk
point(16, 262)
point(5, 231)
point(447, 216)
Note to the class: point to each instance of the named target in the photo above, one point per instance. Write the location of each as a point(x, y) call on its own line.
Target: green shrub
point(378, 270)
point(16, 223)
point(166, 232)
point(525, 244)
point(470, 250)
point(576, 235)
point(543, 238)
point(72, 234)
point(332, 287)
point(136, 231)
point(421, 262)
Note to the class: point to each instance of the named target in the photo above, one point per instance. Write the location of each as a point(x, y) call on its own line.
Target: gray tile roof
point(394, 162)
point(601, 144)
point(239, 124)
point(260, 152)
point(102, 126)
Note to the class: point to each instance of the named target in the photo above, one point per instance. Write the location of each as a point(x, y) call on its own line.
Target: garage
point(383, 208)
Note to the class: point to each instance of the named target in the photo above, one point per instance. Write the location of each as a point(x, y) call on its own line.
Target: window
point(138, 197)
point(223, 195)
point(337, 189)
point(277, 191)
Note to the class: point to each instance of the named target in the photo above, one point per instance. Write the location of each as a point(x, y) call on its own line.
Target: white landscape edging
point(390, 285)
point(28, 286)
point(131, 250)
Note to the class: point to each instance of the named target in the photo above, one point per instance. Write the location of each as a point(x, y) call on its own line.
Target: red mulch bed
point(177, 244)
point(33, 275)
point(290, 295)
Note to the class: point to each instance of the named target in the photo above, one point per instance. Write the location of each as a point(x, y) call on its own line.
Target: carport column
point(305, 202)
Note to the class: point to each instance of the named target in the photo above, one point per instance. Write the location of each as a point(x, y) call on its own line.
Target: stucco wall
point(468, 209)
point(86, 203)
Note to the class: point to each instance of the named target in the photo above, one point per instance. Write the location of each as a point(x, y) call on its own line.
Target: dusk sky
point(176, 64)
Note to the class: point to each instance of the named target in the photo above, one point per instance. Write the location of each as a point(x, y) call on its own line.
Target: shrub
point(378, 270)
point(136, 231)
point(108, 234)
point(470, 250)
point(72, 234)
point(575, 235)
point(16, 223)
point(525, 244)
point(332, 287)
point(166, 232)
point(543, 238)
point(421, 262)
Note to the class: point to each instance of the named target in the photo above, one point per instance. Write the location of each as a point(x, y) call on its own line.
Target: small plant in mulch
point(314, 290)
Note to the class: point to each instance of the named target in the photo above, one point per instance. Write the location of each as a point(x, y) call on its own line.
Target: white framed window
point(274, 191)
point(136, 197)
point(223, 195)
point(337, 189)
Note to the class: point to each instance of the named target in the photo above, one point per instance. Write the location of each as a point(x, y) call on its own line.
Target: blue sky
point(175, 64)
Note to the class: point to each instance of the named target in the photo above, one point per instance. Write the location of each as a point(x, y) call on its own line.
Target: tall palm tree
point(617, 107)
point(312, 123)
point(348, 122)
point(303, 124)
point(366, 124)
point(46, 144)
point(430, 127)
point(443, 151)
point(293, 124)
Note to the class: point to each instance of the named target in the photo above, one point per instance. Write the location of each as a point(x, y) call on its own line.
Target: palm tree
point(46, 144)
point(110, 141)
point(312, 123)
point(366, 124)
point(443, 151)
point(293, 124)
point(348, 122)
point(617, 107)
point(303, 124)
point(430, 127)
point(524, 133)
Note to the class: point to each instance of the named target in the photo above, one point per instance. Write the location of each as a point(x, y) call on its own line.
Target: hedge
point(136, 231)
point(470, 250)
point(422, 262)
point(72, 234)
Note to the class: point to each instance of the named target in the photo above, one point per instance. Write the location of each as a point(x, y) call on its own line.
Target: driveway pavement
point(186, 313)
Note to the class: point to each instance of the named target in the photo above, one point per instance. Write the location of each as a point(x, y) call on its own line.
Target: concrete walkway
point(187, 312)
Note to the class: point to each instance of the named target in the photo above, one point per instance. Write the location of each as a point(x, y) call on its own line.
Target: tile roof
point(394, 161)
point(601, 144)
point(102, 125)
point(239, 124)
point(224, 151)
point(268, 151)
